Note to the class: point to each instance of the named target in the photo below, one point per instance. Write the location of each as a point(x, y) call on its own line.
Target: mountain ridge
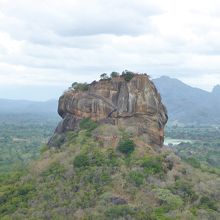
point(13, 106)
point(185, 104)
point(188, 104)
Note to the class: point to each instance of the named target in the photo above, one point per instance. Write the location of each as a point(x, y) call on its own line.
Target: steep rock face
point(134, 105)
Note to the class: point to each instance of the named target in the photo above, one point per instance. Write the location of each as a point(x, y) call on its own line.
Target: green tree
point(104, 76)
point(114, 74)
point(126, 146)
point(127, 75)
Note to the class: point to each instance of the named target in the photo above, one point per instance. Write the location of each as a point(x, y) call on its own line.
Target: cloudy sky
point(45, 45)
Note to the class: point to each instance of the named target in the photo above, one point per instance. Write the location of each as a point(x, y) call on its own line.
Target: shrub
point(208, 203)
point(126, 146)
point(136, 178)
point(127, 75)
point(160, 213)
point(71, 136)
point(87, 124)
point(43, 149)
point(193, 162)
point(104, 76)
point(184, 189)
point(96, 158)
point(95, 177)
point(15, 197)
point(80, 86)
point(168, 200)
point(112, 157)
point(93, 158)
point(152, 165)
point(55, 169)
point(86, 199)
point(24, 189)
point(81, 160)
point(117, 211)
point(114, 74)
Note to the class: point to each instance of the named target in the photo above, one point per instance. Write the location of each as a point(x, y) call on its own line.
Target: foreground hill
point(186, 104)
point(89, 179)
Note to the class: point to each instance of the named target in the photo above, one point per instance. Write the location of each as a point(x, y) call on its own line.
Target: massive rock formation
point(134, 105)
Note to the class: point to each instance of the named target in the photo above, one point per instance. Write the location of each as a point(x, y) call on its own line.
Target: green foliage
point(24, 189)
point(74, 181)
point(119, 211)
point(185, 190)
point(203, 144)
point(136, 177)
point(168, 200)
point(87, 124)
point(55, 169)
point(81, 160)
point(128, 212)
point(80, 86)
point(161, 214)
point(43, 148)
point(112, 158)
point(114, 74)
point(90, 158)
point(14, 196)
point(126, 146)
point(71, 136)
point(21, 137)
point(127, 75)
point(208, 203)
point(104, 76)
point(193, 162)
point(152, 165)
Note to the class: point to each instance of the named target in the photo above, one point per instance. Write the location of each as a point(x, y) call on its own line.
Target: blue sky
point(45, 45)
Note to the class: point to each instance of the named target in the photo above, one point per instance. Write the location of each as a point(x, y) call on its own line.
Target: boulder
point(134, 105)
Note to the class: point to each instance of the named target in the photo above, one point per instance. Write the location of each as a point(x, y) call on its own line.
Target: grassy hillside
point(90, 178)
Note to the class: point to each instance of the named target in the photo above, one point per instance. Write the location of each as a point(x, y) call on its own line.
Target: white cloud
point(54, 42)
point(203, 80)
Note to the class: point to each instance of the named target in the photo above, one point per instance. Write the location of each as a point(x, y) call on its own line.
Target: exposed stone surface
point(134, 105)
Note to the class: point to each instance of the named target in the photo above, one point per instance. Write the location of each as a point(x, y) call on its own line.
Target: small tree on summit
point(114, 74)
point(74, 85)
point(104, 76)
point(80, 86)
point(127, 75)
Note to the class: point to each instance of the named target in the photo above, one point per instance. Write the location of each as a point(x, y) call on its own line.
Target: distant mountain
point(186, 104)
point(8, 106)
point(216, 91)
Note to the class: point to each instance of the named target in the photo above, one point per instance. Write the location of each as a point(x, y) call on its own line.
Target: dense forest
point(21, 138)
point(201, 147)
